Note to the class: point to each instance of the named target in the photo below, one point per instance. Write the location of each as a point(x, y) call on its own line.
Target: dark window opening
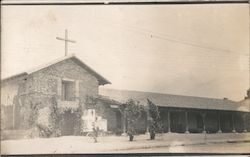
point(68, 89)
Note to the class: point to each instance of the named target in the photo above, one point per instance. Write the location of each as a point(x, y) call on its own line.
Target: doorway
point(68, 123)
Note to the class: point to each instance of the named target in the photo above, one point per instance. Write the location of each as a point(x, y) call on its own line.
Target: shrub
point(155, 125)
point(131, 111)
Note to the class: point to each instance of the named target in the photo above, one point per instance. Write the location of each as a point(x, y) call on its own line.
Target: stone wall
point(49, 80)
point(45, 85)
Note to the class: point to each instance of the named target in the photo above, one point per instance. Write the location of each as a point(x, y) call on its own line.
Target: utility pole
point(66, 40)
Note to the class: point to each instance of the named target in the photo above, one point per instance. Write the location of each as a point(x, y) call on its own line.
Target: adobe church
point(60, 98)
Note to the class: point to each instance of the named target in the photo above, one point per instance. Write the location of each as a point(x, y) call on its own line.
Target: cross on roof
point(66, 40)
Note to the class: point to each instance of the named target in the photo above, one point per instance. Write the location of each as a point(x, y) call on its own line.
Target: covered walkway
point(198, 121)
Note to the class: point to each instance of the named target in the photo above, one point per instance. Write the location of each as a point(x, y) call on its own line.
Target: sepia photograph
point(96, 77)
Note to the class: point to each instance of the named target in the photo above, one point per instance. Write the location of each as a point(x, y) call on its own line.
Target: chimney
point(248, 94)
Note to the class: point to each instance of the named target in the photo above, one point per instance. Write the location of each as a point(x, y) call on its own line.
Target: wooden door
point(68, 123)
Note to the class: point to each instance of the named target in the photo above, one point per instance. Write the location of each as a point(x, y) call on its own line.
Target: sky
point(196, 50)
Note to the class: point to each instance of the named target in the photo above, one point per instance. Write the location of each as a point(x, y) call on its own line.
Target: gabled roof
point(101, 79)
point(179, 101)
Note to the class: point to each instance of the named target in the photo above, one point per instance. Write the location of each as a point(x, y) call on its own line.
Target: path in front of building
point(111, 144)
point(224, 148)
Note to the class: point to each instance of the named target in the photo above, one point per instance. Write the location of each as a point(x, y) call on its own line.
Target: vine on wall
point(43, 115)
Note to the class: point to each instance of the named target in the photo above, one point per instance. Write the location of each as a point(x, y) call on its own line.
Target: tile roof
point(168, 100)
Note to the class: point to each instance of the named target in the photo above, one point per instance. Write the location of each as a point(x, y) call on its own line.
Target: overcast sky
point(198, 50)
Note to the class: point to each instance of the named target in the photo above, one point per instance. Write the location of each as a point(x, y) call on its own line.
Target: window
point(68, 91)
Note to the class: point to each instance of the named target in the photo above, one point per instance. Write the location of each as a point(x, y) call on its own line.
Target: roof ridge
point(189, 96)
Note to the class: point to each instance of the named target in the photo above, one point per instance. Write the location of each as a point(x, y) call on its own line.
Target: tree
point(131, 111)
point(155, 125)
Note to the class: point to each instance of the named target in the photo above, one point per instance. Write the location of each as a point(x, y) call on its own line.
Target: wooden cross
point(66, 40)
